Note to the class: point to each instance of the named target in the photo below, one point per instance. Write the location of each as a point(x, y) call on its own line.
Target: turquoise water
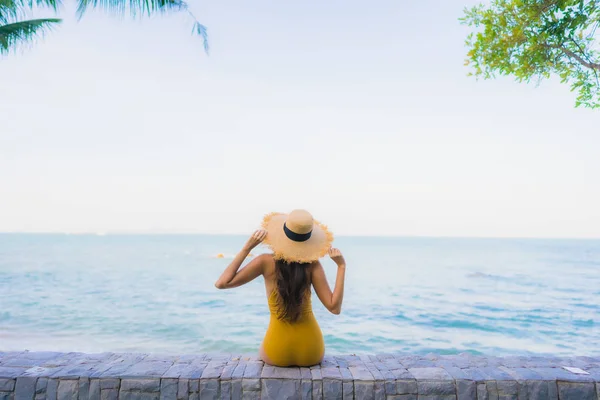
point(155, 293)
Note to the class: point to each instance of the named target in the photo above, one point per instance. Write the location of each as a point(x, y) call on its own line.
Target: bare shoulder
point(314, 266)
point(267, 262)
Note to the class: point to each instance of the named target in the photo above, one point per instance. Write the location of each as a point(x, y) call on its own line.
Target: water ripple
point(156, 294)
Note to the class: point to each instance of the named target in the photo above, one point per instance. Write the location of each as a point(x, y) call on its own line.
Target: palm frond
point(131, 7)
point(201, 30)
point(135, 8)
point(23, 32)
point(10, 10)
point(16, 10)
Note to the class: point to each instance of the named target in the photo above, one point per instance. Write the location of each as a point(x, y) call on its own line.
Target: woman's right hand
point(337, 257)
point(256, 238)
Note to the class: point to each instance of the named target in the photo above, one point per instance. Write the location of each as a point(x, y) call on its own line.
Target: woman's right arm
point(331, 301)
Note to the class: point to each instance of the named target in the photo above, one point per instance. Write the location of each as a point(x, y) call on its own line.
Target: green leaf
point(536, 39)
point(23, 32)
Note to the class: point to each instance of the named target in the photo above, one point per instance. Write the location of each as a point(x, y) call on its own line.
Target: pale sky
point(361, 113)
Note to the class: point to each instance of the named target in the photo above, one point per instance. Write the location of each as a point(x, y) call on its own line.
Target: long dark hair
point(292, 284)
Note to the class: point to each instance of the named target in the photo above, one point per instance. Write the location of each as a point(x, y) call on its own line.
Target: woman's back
point(293, 336)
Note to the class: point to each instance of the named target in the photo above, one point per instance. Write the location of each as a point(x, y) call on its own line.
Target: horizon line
point(183, 233)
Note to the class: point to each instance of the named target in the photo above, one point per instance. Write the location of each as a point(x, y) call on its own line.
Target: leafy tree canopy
point(16, 30)
point(536, 39)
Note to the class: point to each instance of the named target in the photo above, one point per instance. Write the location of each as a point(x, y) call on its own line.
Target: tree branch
point(577, 57)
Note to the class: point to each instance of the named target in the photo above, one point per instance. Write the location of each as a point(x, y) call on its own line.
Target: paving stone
point(408, 386)
point(11, 372)
point(466, 390)
point(551, 374)
point(22, 362)
point(168, 389)
point(253, 370)
point(390, 386)
point(250, 384)
point(492, 390)
point(508, 397)
point(332, 389)
point(348, 390)
point(251, 396)
point(109, 394)
point(25, 388)
point(535, 390)
point(7, 395)
point(576, 391)
point(377, 375)
point(68, 389)
point(361, 374)
point(507, 388)
point(193, 370)
point(236, 389)
point(331, 373)
point(183, 389)
point(427, 387)
point(227, 373)
point(94, 393)
point(280, 389)
point(270, 372)
point(176, 370)
point(194, 385)
point(238, 372)
point(496, 374)
point(474, 374)
point(402, 397)
point(52, 389)
point(379, 391)
point(514, 361)
point(143, 385)
point(364, 390)
point(401, 374)
point(456, 373)
point(418, 364)
point(7, 385)
point(521, 373)
point(433, 373)
point(128, 364)
point(139, 395)
point(41, 385)
point(109, 383)
point(482, 393)
point(329, 361)
point(84, 388)
point(553, 391)
point(189, 358)
point(393, 364)
point(437, 397)
point(305, 373)
point(306, 389)
point(317, 389)
point(316, 374)
point(225, 390)
point(143, 369)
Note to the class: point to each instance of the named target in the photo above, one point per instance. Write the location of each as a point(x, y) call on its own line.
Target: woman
point(293, 337)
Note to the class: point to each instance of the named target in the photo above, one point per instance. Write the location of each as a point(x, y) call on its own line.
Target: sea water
point(155, 293)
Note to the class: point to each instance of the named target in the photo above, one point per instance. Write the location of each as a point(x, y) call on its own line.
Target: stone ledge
point(114, 376)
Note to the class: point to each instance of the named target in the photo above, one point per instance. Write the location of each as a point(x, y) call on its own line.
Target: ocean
point(155, 293)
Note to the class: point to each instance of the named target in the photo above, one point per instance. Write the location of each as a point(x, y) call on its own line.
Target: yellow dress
point(298, 343)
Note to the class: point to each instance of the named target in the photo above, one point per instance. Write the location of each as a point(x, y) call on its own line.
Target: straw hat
point(296, 237)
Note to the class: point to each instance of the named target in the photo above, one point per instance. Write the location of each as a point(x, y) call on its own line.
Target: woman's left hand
point(256, 238)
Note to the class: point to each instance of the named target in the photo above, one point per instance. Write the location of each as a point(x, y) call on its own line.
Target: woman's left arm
point(231, 277)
